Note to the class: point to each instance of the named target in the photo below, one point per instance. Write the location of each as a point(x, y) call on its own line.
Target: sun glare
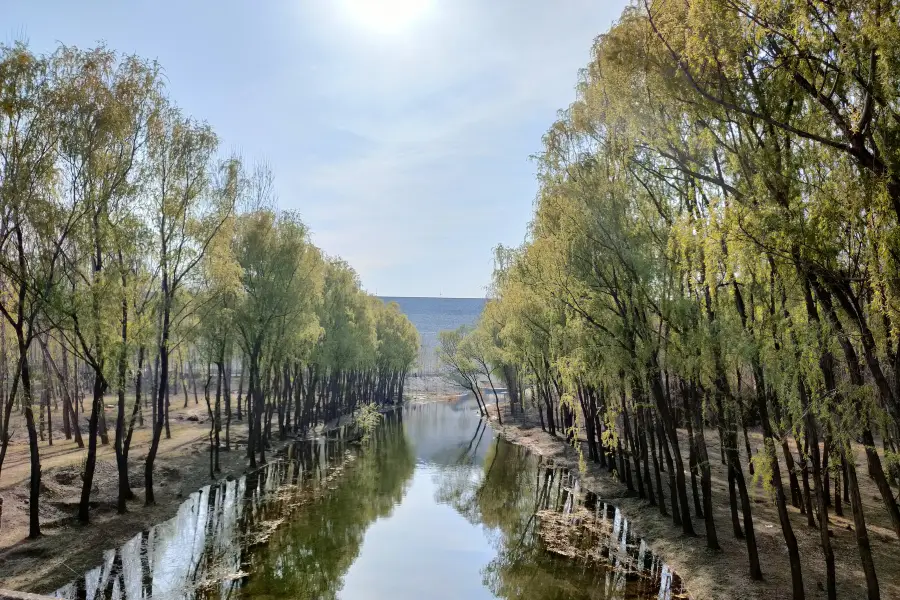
point(387, 17)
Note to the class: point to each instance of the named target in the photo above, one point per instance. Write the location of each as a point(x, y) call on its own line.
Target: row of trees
point(716, 243)
point(126, 239)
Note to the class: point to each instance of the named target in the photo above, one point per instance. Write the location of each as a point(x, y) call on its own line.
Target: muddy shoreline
point(712, 575)
point(67, 549)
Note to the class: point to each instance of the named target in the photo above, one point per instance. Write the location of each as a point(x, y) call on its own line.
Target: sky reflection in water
point(436, 507)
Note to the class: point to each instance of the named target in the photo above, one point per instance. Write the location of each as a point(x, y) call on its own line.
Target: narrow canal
point(435, 506)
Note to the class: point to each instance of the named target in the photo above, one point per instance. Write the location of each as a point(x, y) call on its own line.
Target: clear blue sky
point(400, 129)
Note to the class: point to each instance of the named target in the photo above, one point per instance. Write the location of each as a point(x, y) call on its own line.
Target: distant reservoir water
point(433, 315)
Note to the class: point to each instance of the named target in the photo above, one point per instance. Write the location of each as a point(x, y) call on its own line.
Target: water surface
point(434, 507)
point(433, 315)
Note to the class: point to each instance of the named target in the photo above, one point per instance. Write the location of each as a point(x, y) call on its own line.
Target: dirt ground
point(724, 574)
point(67, 549)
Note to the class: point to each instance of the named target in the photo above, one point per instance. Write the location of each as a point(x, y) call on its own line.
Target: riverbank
point(712, 575)
point(67, 549)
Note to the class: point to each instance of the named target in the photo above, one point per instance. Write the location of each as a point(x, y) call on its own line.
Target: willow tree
point(349, 336)
point(458, 366)
point(397, 350)
point(280, 277)
point(186, 214)
point(220, 293)
point(35, 224)
point(103, 136)
point(715, 243)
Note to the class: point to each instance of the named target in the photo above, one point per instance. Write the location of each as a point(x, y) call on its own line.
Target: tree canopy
point(715, 244)
point(133, 246)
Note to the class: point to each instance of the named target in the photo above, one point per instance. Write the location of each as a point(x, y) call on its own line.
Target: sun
point(387, 17)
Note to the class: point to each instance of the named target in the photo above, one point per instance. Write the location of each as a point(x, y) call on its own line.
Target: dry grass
point(724, 574)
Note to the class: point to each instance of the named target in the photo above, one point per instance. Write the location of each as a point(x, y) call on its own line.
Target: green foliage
point(124, 233)
point(714, 245)
point(368, 419)
point(762, 469)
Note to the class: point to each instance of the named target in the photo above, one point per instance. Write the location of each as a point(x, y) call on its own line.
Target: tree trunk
point(181, 377)
point(712, 540)
point(49, 414)
point(161, 395)
point(154, 389)
point(670, 469)
point(645, 453)
point(121, 458)
point(821, 492)
point(807, 494)
point(68, 404)
point(102, 429)
point(692, 452)
point(240, 416)
point(734, 464)
point(166, 407)
point(838, 505)
point(227, 386)
point(34, 525)
point(212, 422)
point(217, 414)
point(780, 500)
point(862, 533)
point(668, 424)
point(631, 445)
point(64, 393)
point(649, 432)
point(733, 503)
point(135, 412)
point(91, 461)
point(7, 413)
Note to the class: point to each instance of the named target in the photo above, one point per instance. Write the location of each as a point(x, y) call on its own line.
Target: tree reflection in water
point(216, 538)
point(311, 555)
point(507, 492)
point(293, 529)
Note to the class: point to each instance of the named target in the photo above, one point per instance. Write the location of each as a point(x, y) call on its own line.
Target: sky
point(401, 130)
